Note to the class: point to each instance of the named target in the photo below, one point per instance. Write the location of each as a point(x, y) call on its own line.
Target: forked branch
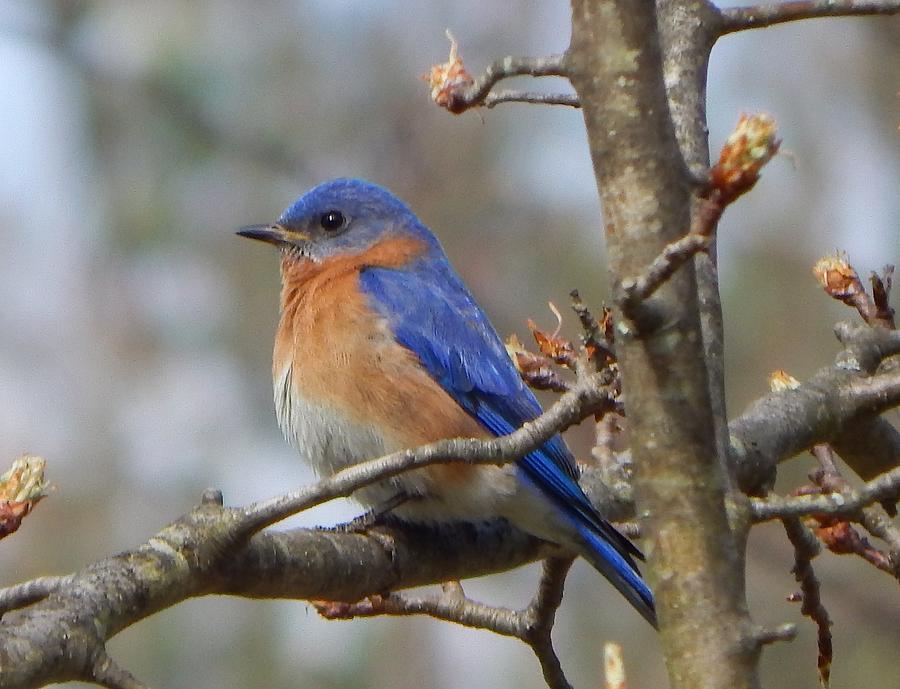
point(532, 625)
point(454, 88)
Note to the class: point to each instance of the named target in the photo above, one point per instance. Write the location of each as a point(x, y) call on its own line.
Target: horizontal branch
point(884, 488)
point(760, 16)
point(504, 68)
point(321, 564)
point(497, 97)
point(829, 407)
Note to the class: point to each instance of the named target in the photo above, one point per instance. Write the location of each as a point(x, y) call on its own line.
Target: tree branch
point(749, 147)
point(304, 564)
point(108, 674)
point(830, 407)
point(533, 625)
point(454, 88)
point(497, 97)
point(688, 33)
point(806, 547)
point(29, 592)
point(672, 257)
point(847, 505)
point(587, 396)
point(759, 16)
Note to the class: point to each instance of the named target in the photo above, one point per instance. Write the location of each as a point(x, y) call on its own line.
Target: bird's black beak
point(272, 234)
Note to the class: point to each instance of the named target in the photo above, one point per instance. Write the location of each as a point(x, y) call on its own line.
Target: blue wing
point(452, 337)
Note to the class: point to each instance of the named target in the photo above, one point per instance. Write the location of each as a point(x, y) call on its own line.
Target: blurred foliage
point(136, 327)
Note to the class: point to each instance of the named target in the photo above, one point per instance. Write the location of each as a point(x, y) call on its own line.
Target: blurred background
point(136, 329)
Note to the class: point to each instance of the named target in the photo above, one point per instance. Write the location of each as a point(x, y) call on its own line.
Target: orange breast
point(343, 356)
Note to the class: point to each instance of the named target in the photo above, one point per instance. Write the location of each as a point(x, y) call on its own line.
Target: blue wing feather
point(446, 329)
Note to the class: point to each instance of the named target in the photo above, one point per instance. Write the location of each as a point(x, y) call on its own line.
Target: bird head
point(343, 216)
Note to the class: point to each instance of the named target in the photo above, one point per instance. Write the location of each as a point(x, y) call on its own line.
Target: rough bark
point(615, 65)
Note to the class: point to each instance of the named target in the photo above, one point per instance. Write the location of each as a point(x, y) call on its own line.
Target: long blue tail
point(619, 568)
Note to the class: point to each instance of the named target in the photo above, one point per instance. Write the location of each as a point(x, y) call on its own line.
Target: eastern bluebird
point(381, 347)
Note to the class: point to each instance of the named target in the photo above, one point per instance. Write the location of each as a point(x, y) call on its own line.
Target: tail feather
point(619, 569)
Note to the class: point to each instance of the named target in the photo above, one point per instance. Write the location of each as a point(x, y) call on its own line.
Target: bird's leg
point(372, 517)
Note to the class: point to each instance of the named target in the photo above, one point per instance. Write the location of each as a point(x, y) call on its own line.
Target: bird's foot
point(376, 516)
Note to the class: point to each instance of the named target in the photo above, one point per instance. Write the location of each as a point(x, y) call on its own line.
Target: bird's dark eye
point(332, 221)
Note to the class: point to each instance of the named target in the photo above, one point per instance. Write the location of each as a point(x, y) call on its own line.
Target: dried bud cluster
point(535, 369)
point(20, 489)
point(448, 78)
point(838, 277)
point(841, 282)
point(781, 380)
point(750, 146)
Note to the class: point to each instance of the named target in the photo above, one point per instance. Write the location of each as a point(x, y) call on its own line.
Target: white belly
point(329, 442)
point(323, 436)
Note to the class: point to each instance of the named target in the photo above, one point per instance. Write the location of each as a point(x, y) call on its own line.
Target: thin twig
point(876, 521)
point(838, 535)
point(29, 592)
point(498, 97)
point(454, 88)
point(806, 547)
point(771, 635)
point(533, 625)
point(596, 337)
point(451, 605)
point(672, 257)
point(107, 673)
point(841, 281)
point(509, 66)
point(748, 148)
point(759, 16)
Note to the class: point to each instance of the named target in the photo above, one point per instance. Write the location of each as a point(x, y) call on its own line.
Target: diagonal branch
point(760, 16)
point(670, 259)
point(749, 147)
point(587, 396)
